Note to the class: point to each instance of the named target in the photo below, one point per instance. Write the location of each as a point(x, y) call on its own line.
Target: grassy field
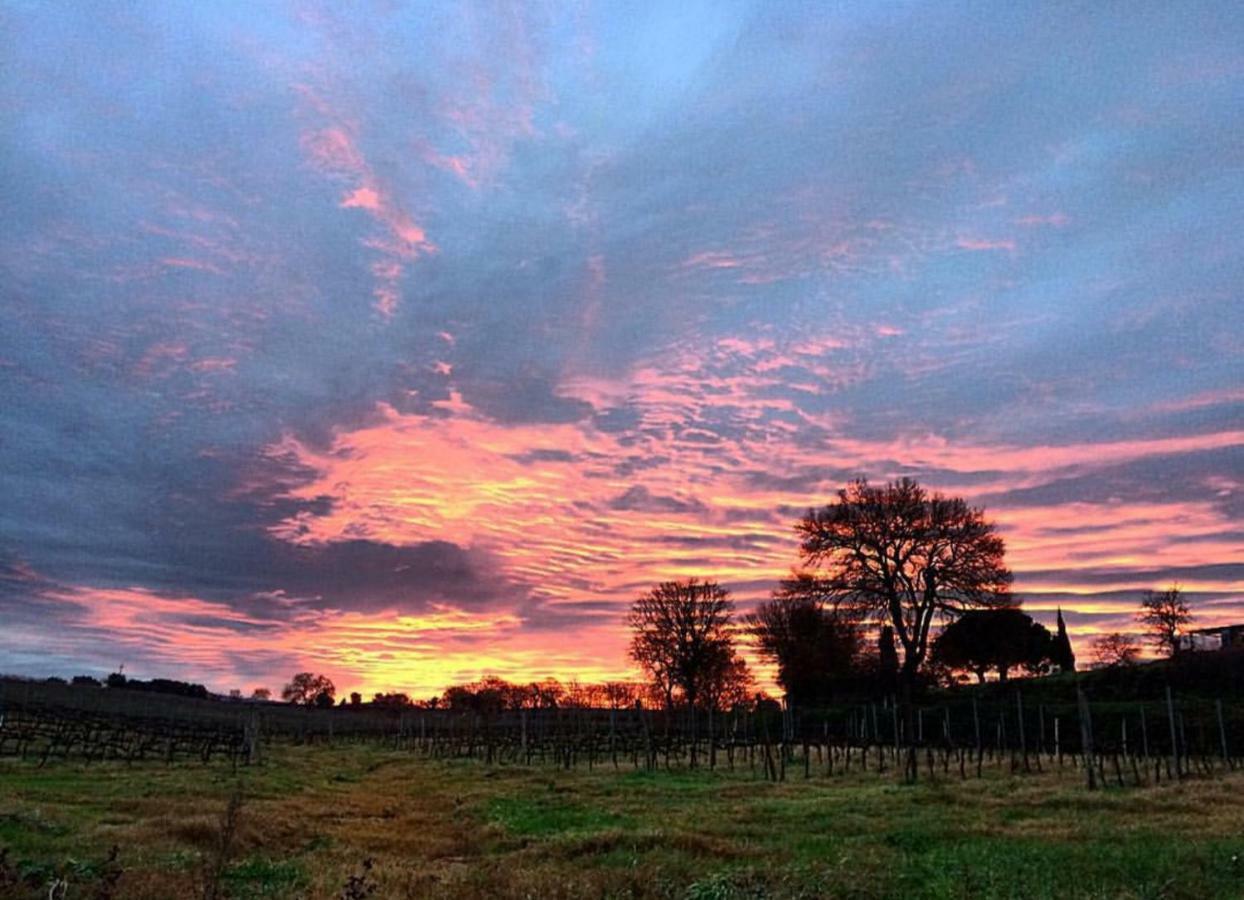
point(311, 817)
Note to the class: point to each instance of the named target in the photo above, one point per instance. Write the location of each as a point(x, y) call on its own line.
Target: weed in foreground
point(360, 885)
point(214, 866)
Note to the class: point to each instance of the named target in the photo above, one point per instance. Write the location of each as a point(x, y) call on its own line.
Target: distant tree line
point(118, 681)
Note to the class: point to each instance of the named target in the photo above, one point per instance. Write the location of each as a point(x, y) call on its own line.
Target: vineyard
point(161, 796)
point(1124, 743)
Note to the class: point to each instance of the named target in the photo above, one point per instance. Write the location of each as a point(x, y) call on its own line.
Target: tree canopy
point(1114, 650)
point(307, 688)
point(994, 640)
point(904, 556)
point(681, 637)
point(811, 644)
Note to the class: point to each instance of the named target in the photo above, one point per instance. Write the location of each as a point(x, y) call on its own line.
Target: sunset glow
point(411, 344)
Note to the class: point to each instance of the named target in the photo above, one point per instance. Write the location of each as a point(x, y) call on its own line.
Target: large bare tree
point(680, 634)
point(905, 557)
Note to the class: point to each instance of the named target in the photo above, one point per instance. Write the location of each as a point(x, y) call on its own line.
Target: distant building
point(1224, 637)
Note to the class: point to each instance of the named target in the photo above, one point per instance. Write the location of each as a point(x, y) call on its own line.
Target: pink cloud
point(363, 198)
point(214, 364)
point(458, 166)
point(985, 244)
point(711, 259)
point(1201, 400)
point(176, 262)
point(333, 149)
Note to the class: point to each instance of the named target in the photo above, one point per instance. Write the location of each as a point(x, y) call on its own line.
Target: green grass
point(260, 876)
point(312, 815)
point(547, 815)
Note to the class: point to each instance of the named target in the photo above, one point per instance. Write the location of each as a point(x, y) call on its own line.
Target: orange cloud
point(384, 651)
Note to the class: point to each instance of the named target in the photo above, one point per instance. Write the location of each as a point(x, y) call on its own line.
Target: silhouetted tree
point(620, 694)
point(1113, 650)
point(809, 642)
point(396, 700)
point(680, 634)
point(728, 682)
point(356, 699)
point(545, 694)
point(496, 693)
point(905, 557)
point(261, 693)
point(306, 688)
point(1165, 616)
point(983, 640)
point(458, 696)
point(169, 686)
point(1061, 654)
point(768, 706)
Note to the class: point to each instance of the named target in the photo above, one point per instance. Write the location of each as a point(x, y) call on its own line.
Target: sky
point(408, 343)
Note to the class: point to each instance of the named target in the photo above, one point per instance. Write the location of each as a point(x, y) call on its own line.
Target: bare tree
point(905, 557)
point(1114, 650)
point(680, 632)
point(1165, 616)
point(728, 682)
point(620, 694)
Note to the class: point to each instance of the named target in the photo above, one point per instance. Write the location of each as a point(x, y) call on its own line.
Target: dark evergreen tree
point(1061, 654)
point(814, 648)
point(997, 640)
